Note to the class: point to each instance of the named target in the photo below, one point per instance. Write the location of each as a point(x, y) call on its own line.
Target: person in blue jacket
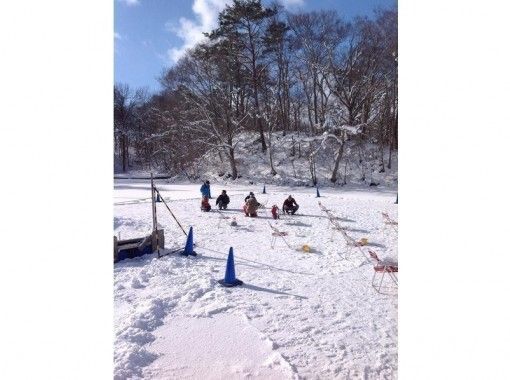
point(206, 190)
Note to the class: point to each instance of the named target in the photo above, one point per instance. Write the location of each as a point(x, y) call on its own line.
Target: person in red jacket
point(205, 204)
point(290, 206)
point(275, 211)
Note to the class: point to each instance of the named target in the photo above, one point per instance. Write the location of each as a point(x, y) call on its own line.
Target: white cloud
point(291, 3)
point(206, 11)
point(190, 31)
point(130, 3)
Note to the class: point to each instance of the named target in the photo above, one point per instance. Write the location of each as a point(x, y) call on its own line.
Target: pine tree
point(245, 23)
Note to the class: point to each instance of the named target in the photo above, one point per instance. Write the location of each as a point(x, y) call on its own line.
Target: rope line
point(168, 208)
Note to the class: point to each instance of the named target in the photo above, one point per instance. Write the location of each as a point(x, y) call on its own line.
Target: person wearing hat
point(251, 206)
point(249, 195)
point(223, 200)
point(206, 190)
point(290, 206)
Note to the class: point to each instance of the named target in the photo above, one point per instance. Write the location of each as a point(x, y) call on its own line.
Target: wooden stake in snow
point(154, 216)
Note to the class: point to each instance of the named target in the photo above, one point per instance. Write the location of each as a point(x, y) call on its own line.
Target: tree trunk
point(124, 153)
point(313, 169)
point(395, 131)
point(309, 109)
point(381, 163)
point(315, 112)
point(232, 162)
point(389, 156)
point(345, 174)
point(381, 150)
point(258, 124)
point(127, 152)
point(273, 171)
point(338, 158)
point(361, 164)
point(286, 98)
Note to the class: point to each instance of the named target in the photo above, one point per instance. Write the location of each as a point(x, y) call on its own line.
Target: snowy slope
point(253, 165)
point(292, 170)
point(299, 315)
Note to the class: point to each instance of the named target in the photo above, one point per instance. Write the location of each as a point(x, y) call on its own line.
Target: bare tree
point(211, 99)
point(126, 108)
point(316, 35)
point(244, 23)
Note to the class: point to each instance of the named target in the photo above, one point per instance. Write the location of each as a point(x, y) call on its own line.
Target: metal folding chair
point(383, 268)
point(388, 222)
point(278, 234)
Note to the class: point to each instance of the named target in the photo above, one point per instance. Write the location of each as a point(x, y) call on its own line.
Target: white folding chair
point(383, 268)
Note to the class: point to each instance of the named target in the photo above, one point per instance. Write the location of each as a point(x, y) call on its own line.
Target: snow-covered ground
point(299, 314)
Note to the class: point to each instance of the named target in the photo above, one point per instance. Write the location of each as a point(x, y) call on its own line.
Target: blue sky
point(150, 35)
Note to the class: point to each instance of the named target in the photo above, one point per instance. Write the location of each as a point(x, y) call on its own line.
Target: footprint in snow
point(136, 284)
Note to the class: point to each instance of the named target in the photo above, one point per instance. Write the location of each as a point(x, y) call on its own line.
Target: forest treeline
point(328, 81)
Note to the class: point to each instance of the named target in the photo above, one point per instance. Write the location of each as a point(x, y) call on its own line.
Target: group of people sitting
point(290, 206)
point(251, 205)
point(222, 202)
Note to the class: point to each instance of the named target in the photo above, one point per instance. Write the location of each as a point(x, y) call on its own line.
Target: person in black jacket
point(223, 200)
point(290, 206)
point(248, 196)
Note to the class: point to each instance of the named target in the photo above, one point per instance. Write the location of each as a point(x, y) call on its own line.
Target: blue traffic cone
point(188, 249)
point(230, 273)
point(318, 194)
point(264, 190)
